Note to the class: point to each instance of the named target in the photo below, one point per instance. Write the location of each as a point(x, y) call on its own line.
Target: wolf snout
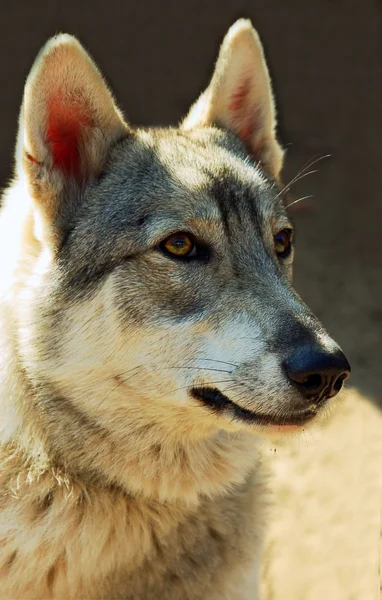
point(318, 373)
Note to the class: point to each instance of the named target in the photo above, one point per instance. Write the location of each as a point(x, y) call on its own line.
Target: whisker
point(137, 369)
point(201, 369)
point(224, 362)
point(302, 173)
point(210, 383)
point(314, 161)
point(157, 369)
point(123, 381)
point(299, 200)
point(295, 179)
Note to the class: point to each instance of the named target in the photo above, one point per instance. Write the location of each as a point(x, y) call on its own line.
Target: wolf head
point(157, 264)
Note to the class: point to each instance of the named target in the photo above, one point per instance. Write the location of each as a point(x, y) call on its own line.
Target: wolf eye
point(283, 243)
point(179, 245)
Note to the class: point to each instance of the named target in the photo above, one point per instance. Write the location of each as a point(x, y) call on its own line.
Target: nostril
point(312, 382)
point(339, 382)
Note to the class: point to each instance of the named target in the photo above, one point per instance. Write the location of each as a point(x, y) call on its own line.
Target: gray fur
point(117, 478)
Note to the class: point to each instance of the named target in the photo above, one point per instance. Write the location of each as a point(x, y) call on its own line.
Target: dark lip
point(219, 403)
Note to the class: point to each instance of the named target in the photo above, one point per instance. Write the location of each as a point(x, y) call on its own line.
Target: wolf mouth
point(218, 402)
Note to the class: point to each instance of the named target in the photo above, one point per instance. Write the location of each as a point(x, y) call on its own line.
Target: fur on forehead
point(165, 169)
point(196, 156)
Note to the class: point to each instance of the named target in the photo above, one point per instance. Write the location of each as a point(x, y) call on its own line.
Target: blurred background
point(325, 57)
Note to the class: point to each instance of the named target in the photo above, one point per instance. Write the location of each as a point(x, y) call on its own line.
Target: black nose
point(318, 373)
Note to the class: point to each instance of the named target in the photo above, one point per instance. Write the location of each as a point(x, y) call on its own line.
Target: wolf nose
point(316, 372)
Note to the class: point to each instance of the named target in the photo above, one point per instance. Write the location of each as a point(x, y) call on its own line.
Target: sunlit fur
point(115, 481)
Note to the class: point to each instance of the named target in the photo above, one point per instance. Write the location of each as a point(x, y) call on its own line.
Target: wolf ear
point(68, 122)
point(239, 97)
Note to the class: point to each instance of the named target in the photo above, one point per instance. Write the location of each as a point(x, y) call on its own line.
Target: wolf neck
point(149, 462)
point(120, 498)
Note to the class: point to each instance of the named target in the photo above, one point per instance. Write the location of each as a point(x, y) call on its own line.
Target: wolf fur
point(115, 481)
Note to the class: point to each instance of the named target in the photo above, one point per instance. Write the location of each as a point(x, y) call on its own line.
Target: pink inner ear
point(240, 109)
point(64, 131)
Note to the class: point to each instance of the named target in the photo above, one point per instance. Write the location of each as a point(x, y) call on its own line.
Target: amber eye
point(179, 245)
point(283, 243)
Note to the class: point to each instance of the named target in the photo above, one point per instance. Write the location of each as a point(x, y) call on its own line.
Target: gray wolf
point(150, 335)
